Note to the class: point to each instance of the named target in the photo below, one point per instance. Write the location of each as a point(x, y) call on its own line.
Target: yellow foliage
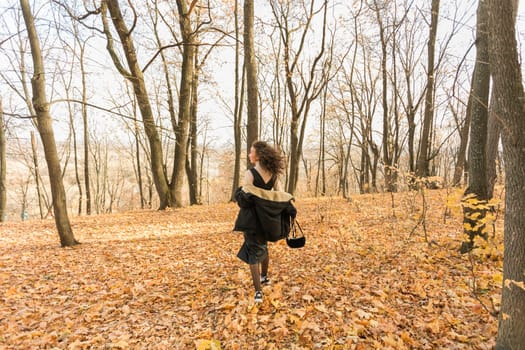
point(497, 278)
point(208, 345)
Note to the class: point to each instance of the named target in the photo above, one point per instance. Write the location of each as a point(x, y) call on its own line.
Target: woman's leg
point(264, 265)
point(256, 276)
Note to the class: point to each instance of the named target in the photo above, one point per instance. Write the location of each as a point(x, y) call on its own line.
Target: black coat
point(264, 213)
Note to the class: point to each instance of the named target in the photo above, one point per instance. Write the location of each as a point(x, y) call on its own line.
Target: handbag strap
point(295, 226)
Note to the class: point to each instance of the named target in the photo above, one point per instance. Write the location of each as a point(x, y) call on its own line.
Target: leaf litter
point(367, 279)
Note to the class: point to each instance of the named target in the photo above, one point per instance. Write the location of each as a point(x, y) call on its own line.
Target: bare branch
point(80, 19)
point(134, 18)
point(109, 45)
point(158, 53)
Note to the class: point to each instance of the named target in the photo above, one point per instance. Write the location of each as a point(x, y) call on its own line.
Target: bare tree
point(463, 127)
point(19, 66)
point(250, 65)
point(185, 10)
point(99, 154)
point(479, 99)
point(44, 124)
point(3, 166)
point(36, 174)
point(409, 58)
point(138, 150)
point(347, 122)
point(303, 84)
point(194, 160)
point(138, 168)
point(384, 38)
point(192, 164)
point(136, 77)
point(508, 85)
point(67, 81)
point(345, 106)
point(422, 168)
point(493, 140)
point(493, 136)
point(238, 106)
point(320, 180)
point(364, 103)
point(85, 124)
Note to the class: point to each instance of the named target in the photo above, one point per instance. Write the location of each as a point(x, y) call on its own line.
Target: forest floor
point(372, 275)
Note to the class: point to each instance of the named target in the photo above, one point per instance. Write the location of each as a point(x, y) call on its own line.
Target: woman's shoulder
point(248, 177)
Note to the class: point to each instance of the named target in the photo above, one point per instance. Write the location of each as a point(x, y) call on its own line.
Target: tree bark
point(192, 164)
point(250, 64)
point(237, 110)
point(45, 129)
point(85, 125)
point(186, 86)
point(493, 137)
point(3, 165)
point(474, 213)
point(320, 179)
point(508, 86)
point(479, 98)
point(137, 155)
point(423, 161)
point(494, 132)
point(387, 157)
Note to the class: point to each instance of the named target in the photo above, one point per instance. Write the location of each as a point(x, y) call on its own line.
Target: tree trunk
point(86, 131)
point(139, 165)
point(320, 180)
point(508, 87)
point(494, 131)
point(3, 164)
point(250, 64)
point(192, 164)
point(169, 87)
point(387, 161)
point(136, 77)
point(193, 155)
point(295, 152)
point(186, 86)
point(479, 97)
point(237, 110)
point(474, 213)
point(493, 137)
point(395, 150)
point(464, 130)
point(37, 174)
point(423, 161)
point(44, 124)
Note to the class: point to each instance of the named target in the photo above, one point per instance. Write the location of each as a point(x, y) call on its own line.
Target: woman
point(254, 198)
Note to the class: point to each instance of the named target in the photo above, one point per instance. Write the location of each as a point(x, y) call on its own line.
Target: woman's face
point(253, 156)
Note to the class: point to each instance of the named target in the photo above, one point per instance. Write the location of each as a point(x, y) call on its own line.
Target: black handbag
point(296, 238)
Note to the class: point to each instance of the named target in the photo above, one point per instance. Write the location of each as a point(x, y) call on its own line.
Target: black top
point(258, 181)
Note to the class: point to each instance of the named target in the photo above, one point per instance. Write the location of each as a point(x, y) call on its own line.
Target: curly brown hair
point(269, 157)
